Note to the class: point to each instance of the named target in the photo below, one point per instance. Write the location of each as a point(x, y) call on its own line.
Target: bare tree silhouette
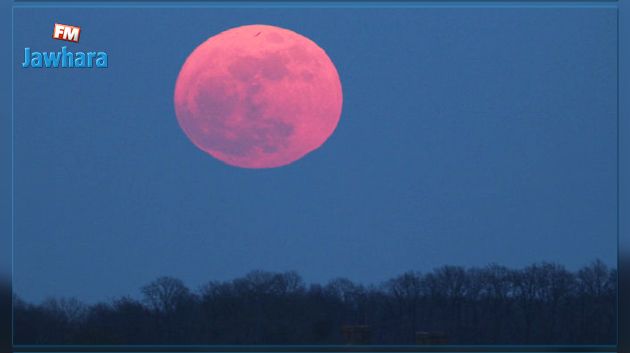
point(540, 304)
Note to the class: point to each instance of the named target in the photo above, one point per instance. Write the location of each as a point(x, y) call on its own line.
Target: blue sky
point(468, 136)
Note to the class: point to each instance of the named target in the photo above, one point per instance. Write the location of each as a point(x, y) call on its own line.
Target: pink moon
point(258, 96)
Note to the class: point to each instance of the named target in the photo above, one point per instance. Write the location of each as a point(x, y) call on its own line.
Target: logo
point(67, 33)
point(64, 58)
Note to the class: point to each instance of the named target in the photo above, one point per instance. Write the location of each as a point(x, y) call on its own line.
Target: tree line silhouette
point(541, 304)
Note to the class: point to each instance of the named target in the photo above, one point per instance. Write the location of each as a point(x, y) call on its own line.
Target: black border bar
point(347, 348)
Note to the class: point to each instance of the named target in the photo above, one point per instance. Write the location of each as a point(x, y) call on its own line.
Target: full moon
point(258, 96)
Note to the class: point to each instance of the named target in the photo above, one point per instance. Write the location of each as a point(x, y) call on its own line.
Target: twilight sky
point(468, 136)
